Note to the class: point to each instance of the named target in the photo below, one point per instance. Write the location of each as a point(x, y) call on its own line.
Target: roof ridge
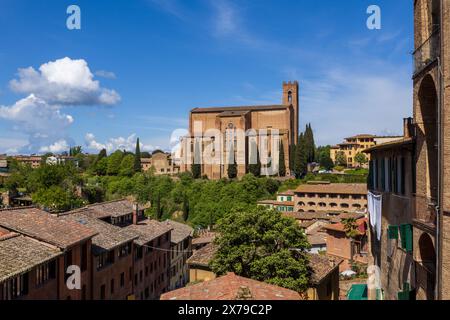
point(19, 208)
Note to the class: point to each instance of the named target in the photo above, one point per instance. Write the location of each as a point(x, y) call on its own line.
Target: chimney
point(135, 213)
point(408, 128)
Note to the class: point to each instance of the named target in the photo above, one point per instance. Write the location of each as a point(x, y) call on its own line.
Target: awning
point(357, 292)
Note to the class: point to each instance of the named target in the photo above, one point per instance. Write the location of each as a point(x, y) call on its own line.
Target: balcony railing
point(425, 210)
point(427, 52)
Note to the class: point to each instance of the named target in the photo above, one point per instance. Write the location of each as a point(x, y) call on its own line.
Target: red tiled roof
point(239, 108)
point(321, 266)
point(115, 208)
point(43, 226)
point(340, 226)
point(232, 287)
point(342, 188)
point(148, 230)
point(203, 256)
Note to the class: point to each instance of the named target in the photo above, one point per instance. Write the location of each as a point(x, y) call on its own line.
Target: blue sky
point(151, 61)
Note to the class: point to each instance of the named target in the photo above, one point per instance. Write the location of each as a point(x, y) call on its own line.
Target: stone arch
point(426, 266)
point(428, 104)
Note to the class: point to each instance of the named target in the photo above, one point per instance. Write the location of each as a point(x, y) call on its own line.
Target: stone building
point(349, 250)
point(161, 163)
point(43, 276)
point(416, 205)
point(256, 122)
point(283, 203)
point(357, 144)
point(392, 178)
point(120, 253)
point(33, 161)
point(344, 197)
point(180, 251)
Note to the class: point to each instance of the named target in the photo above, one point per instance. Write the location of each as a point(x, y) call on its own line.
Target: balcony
point(425, 213)
point(427, 52)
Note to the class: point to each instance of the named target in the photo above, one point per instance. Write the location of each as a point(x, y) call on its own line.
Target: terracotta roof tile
point(203, 256)
point(108, 237)
point(362, 223)
point(239, 108)
point(180, 231)
point(148, 230)
point(342, 188)
point(206, 237)
point(20, 254)
point(43, 226)
point(116, 208)
point(321, 266)
point(232, 287)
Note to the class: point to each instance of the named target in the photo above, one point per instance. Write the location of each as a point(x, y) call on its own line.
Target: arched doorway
point(429, 109)
point(426, 268)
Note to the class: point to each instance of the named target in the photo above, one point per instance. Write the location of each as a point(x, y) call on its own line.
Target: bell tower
point(290, 98)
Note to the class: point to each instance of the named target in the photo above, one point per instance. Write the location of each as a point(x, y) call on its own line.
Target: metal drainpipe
point(438, 286)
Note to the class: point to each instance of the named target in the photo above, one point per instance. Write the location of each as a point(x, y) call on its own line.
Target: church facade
point(220, 135)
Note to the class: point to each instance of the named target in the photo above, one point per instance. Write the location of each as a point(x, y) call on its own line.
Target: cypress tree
point(292, 157)
point(301, 161)
point(185, 208)
point(137, 157)
point(254, 168)
point(232, 166)
point(282, 164)
point(158, 206)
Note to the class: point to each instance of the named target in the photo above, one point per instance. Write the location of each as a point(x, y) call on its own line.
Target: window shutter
point(393, 232)
point(406, 237)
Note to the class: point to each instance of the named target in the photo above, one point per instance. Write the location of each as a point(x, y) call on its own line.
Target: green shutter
point(393, 232)
point(406, 235)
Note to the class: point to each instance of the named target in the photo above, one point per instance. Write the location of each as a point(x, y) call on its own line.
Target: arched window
point(290, 96)
point(322, 204)
point(333, 205)
point(311, 204)
point(344, 205)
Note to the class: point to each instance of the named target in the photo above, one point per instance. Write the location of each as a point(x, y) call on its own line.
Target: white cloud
point(226, 19)
point(36, 117)
point(113, 144)
point(105, 74)
point(56, 85)
point(64, 82)
point(344, 102)
point(58, 146)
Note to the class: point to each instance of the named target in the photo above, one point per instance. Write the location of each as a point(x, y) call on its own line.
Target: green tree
point(114, 161)
point(282, 163)
point(255, 167)
point(56, 199)
point(127, 166)
point(196, 168)
point(341, 159)
point(350, 227)
point(137, 157)
point(361, 159)
point(292, 154)
point(263, 245)
point(309, 144)
point(301, 160)
point(74, 151)
point(185, 208)
point(101, 167)
point(325, 160)
point(102, 154)
point(232, 166)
